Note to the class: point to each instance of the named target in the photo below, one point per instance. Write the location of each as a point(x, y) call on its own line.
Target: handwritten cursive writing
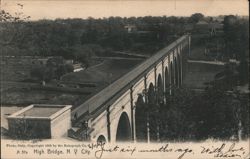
point(165, 148)
point(99, 153)
point(222, 152)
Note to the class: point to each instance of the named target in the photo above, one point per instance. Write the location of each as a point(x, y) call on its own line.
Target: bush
point(198, 116)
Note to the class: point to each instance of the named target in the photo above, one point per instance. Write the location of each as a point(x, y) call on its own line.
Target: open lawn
point(26, 96)
point(200, 73)
point(104, 73)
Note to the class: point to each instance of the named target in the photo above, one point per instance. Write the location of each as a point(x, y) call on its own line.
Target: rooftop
point(40, 111)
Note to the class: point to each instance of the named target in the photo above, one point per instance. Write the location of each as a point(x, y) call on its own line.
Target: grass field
point(102, 74)
point(26, 96)
point(199, 73)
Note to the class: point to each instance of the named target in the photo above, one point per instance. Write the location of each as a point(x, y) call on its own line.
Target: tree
point(194, 18)
point(188, 115)
point(10, 23)
point(63, 69)
point(43, 74)
point(219, 114)
point(236, 37)
point(55, 62)
point(7, 17)
point(69, 68)
point(83, 53)
point(243, 70)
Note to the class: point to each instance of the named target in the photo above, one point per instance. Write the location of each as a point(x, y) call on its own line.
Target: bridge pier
point(108, 124)
point(113, 111)
point(163, 80)
point(133, 125)
point(181, 65)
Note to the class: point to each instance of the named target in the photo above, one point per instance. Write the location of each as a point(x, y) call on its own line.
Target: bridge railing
point(101, 99)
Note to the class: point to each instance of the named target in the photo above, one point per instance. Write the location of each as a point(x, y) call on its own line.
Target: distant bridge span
point(110, 115)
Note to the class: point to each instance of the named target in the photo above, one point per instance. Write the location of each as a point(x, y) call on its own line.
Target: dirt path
point(131, 54)
point(119, 58)
point(207, 62)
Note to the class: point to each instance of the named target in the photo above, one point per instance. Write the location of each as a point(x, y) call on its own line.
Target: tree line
point(73, 38)
point(190, 116)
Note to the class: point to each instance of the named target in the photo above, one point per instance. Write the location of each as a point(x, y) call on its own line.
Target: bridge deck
point(100, 99)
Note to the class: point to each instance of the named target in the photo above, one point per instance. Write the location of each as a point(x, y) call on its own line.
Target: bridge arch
point(172, 78)
point(167, 81)
point(120, 114)
point(101, 139)
point(140, 119)
point(160, 89)
point(176, 73)
point(179, 70)
point(124, 132)
point(151, 94)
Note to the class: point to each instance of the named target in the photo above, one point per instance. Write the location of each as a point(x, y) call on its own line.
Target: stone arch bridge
point(110, 115)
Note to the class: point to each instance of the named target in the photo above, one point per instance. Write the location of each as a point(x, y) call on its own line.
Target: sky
point(52, 9)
